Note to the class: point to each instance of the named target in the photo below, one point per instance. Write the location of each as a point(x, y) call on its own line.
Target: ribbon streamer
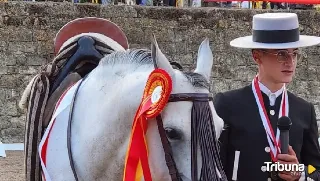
point(273, 140)
point(155, 97)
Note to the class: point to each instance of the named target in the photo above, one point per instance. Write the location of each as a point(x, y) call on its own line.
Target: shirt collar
point(272, 95)
point(268, 92)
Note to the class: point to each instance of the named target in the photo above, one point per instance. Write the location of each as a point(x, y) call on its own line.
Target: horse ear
point(204, 60)
point(159, 59)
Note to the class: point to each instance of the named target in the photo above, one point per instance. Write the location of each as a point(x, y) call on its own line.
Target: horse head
point(177, 115)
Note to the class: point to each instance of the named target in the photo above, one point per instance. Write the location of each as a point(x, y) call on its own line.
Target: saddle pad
point(63, 104)
point(71, 79)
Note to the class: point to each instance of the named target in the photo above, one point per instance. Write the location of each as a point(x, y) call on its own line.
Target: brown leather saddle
point(72, 62)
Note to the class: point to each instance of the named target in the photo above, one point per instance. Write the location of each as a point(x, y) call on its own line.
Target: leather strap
point(173, 171)
point(191, 97)
point(54, 97)
point(69, 131)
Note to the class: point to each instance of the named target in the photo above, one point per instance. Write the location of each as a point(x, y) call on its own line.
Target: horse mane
point(139, 57)
point(133, 57)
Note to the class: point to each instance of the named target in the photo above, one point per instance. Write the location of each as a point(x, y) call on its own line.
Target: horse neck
point(119, 90)
point(132, 82)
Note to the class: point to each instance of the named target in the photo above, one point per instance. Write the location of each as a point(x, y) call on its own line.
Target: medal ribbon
point(156, 95)
point(274, 141)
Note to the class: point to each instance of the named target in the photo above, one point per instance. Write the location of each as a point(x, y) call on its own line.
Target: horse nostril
point(173, 134)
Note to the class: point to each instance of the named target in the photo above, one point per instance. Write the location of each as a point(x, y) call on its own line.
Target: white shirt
point(272, 96)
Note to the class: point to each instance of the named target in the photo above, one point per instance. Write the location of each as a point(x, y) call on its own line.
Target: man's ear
point(256, 56)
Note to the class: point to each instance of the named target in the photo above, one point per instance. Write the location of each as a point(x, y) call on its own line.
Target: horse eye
point(173, 134)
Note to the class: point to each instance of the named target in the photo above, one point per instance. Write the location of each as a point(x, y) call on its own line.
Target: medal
point(273, 139)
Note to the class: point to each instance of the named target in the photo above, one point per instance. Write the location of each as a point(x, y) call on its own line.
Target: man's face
point(277, 65)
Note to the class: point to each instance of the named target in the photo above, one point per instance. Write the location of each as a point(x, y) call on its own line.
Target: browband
point(191, 97)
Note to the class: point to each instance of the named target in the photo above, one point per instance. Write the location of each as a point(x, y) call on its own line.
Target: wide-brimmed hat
point(275, 31)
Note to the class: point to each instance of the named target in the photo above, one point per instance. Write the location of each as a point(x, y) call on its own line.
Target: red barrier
point(281, 1)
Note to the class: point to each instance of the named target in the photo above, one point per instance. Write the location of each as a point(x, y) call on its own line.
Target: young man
point(251, 113)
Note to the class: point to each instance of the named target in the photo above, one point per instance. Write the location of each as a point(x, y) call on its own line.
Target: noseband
point(173, 171)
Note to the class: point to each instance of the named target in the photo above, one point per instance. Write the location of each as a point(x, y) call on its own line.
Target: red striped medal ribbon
point(274, 141)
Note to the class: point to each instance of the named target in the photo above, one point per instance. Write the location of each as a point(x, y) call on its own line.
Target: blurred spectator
point(227, 4)
point(279, 5)
point(272, 5)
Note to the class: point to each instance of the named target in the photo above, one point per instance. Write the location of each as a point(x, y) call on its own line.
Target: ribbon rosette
point(155, 97)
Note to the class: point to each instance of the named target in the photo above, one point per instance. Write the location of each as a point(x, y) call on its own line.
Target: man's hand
point(289, 158)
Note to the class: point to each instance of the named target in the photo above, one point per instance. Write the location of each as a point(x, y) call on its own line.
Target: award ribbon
point(273, 141)
point(156, 95)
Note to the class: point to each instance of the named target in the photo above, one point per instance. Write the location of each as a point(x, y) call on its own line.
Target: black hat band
point(276, 36)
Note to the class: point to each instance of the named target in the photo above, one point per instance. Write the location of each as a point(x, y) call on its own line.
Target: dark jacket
point(245, 134)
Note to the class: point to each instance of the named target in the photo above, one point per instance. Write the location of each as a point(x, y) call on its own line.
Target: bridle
point(173, 171)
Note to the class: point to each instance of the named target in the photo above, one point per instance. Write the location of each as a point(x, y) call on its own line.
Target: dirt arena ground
point(11, 167)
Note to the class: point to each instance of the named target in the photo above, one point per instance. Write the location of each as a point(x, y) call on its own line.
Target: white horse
point(104, 112)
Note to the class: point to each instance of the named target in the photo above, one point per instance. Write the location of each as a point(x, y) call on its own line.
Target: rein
point(173, 171)
point(202, 133)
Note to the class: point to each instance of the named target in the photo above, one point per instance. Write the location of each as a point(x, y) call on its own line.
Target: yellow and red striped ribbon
point(153, 102)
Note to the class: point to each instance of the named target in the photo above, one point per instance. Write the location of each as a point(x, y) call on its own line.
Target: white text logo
point(274, 167)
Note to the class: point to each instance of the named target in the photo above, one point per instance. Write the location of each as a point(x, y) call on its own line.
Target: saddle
point(79, 46)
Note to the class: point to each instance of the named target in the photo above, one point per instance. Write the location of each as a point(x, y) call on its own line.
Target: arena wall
point(27, 30)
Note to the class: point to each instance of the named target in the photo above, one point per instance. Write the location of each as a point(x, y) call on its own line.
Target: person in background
point(264, 4)
point(279, 5)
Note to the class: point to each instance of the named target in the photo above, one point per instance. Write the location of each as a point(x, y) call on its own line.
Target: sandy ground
point(12, 166)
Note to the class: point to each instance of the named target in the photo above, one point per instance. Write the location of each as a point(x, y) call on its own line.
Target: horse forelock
point(197, 80)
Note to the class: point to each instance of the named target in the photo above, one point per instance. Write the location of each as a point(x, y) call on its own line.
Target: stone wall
point(26, 42)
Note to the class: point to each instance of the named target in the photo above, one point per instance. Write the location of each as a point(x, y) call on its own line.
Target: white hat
point(275, 31)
